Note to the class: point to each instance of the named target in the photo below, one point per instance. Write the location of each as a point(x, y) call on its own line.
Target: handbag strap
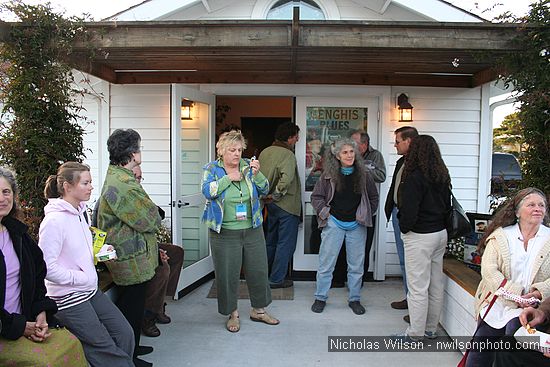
point(493, 300)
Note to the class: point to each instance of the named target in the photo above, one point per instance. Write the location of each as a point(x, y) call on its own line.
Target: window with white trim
point(309, 10)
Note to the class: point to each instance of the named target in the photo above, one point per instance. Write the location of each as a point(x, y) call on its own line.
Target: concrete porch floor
point(197, 334)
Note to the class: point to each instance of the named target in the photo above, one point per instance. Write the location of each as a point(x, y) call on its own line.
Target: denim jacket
point(214, 183)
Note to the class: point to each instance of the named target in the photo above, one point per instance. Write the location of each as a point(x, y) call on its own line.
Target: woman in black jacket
point(424, 204)
point(24, 307)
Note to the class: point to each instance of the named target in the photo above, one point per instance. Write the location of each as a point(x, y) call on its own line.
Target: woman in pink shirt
point(71, 281)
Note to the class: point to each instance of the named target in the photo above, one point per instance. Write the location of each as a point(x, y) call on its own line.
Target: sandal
point(233, 325)
point(263, 317)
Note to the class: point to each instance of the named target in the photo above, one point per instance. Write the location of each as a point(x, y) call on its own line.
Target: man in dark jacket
point(403, 138)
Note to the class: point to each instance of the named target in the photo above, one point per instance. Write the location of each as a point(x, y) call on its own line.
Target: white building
point(340, 55)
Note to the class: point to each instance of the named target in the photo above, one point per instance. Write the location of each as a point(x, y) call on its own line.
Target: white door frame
point(196, 271)
point(309, 262)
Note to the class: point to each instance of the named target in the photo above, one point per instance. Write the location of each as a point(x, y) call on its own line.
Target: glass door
point(323, 120)
point(193, 115)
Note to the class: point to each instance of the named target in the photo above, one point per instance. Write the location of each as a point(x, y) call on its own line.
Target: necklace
point(3, 233)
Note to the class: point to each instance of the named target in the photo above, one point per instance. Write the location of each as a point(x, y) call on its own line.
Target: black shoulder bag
point(458, 224)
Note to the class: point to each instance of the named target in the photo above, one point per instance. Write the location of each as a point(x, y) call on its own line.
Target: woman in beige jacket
point(516, 249)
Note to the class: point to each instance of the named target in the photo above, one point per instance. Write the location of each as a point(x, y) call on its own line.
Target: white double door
point(192, 147)
point(321, 121)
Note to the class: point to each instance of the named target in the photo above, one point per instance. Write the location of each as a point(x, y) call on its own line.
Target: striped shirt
point(72, 299)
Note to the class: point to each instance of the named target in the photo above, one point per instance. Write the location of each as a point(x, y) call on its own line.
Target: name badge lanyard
point(238, 188)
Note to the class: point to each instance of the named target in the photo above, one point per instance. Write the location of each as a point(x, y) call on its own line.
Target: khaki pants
point(232, 249)
point(424, 266)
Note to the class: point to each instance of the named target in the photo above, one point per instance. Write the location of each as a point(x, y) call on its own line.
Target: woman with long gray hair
point(344, 198)
point(25, 311)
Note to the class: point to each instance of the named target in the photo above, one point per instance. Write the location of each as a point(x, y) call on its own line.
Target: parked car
point(506, 173)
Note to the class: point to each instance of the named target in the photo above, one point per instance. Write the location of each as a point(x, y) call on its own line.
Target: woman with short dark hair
point(131, 220)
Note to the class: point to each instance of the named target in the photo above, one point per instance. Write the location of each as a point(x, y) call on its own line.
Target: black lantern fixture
point(405, 108)
point(186, 106)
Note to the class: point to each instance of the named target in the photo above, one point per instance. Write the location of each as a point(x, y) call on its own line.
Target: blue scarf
point(346, 171)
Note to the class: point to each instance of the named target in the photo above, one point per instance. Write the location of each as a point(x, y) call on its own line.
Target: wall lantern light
point(405, 108)
point(186, 106)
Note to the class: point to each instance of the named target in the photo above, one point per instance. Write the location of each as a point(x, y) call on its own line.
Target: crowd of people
point(49, 291)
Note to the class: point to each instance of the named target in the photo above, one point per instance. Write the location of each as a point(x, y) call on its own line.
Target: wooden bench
point(457, 316)
point(461, 274)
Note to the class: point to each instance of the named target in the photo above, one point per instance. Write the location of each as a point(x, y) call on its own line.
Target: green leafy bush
point(529, 72)
point(39, 128)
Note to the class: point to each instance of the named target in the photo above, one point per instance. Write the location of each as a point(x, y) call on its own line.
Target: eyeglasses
point(398, 142)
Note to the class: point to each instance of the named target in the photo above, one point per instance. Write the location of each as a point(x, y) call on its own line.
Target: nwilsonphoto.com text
point(440, 344)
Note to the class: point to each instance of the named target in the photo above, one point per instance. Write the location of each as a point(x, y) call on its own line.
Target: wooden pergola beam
point(421, 35)
point(315, 52)
point(290, 78)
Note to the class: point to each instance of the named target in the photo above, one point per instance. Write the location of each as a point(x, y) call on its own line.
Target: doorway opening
point(256, 117)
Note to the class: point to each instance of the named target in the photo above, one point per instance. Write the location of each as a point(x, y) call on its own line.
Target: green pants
point(231, 250)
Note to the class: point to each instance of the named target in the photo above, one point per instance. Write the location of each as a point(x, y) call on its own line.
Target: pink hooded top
point(66, 241)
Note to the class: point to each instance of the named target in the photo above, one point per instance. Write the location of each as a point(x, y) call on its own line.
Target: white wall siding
point(351, 10)
point(453, 117)
point(91, 141)
point(146, 109)
point(95, 101)
point(234, 10)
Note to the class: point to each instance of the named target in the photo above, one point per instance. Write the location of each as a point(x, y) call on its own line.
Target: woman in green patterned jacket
point(130, 219)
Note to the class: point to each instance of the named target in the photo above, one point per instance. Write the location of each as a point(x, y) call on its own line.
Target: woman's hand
point(536, 294)
point(29, 329)
point(254, 166)
point(37, 331)
point(41, 327)
point(163, 255)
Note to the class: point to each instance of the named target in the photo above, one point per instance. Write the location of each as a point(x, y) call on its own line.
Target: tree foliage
point(39, 127)
point(508, 138)
point(529, 72)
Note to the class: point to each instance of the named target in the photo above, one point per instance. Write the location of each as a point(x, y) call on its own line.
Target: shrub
point(39, 127)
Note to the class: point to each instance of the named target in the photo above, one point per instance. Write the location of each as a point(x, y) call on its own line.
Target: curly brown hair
point(424, 155)
point(506, 214)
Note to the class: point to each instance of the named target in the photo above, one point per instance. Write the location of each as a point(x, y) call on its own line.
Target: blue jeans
point(331, 242)
point(282, 233)
point(400, 247)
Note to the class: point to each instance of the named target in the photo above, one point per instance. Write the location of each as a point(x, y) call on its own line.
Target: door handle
point(181, 204)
